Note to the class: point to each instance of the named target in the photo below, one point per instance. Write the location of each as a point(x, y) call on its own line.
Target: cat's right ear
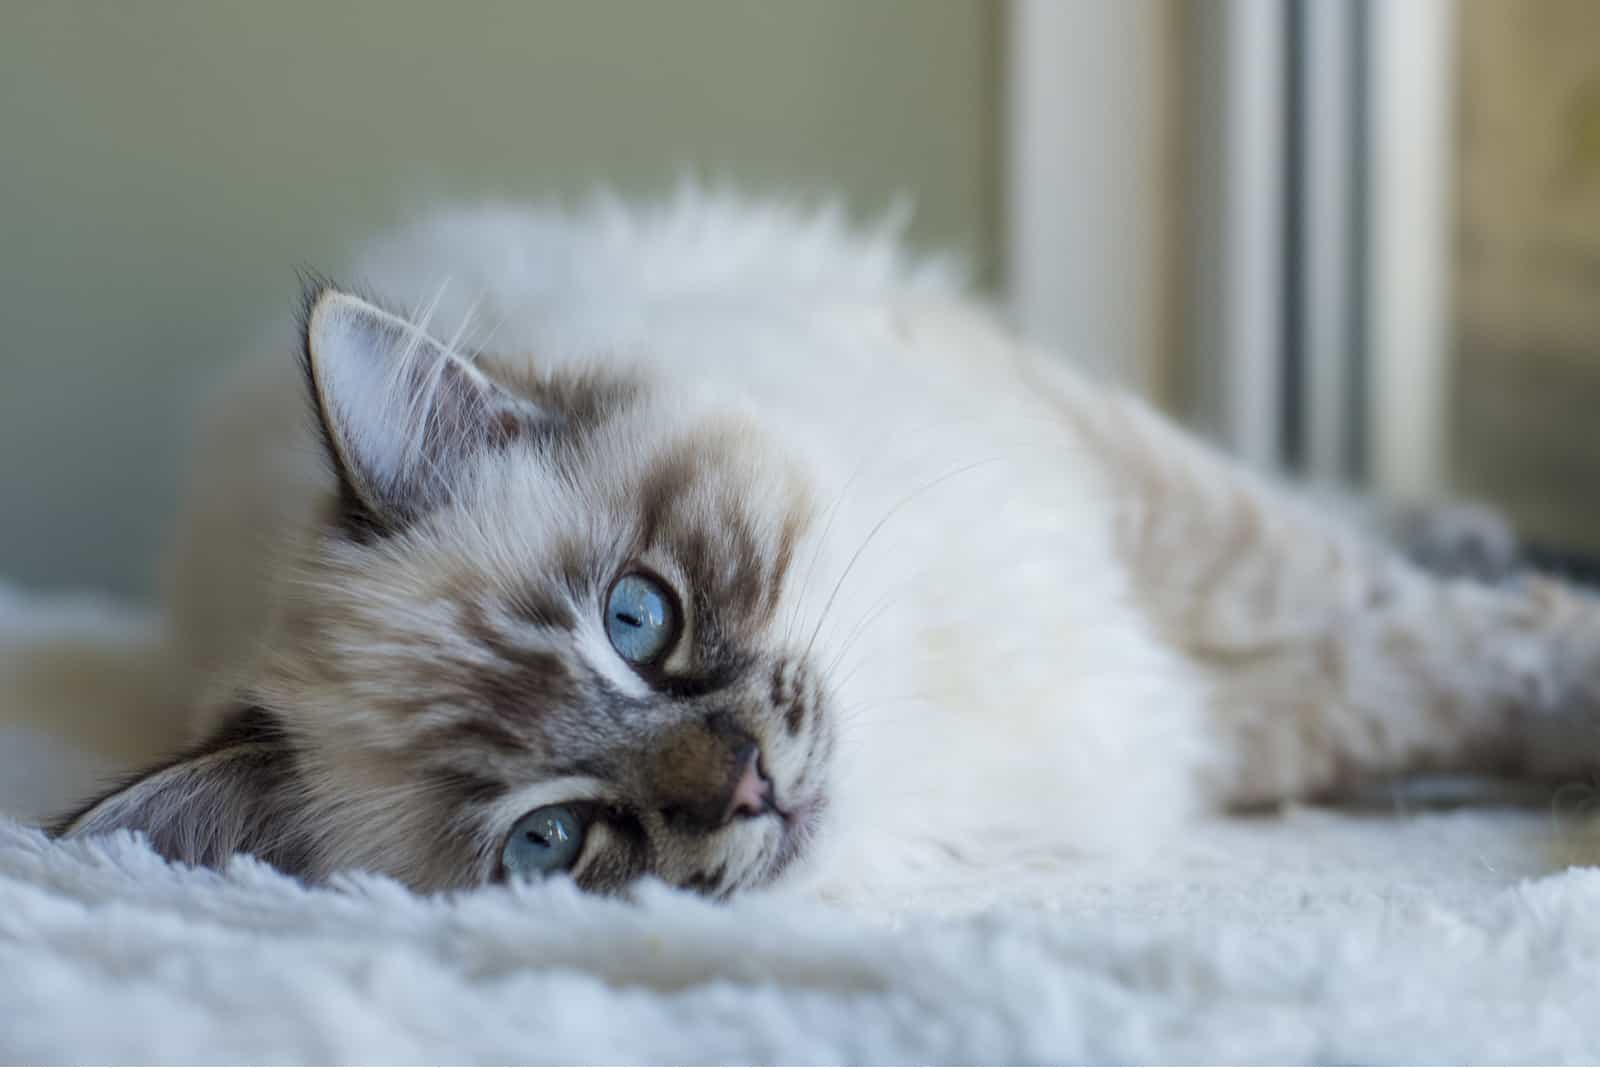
point(400, 412)
point(237, 792)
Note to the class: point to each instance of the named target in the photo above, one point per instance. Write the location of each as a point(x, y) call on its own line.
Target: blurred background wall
point(1525, 392)
point(165, 165)
point(1352, 240)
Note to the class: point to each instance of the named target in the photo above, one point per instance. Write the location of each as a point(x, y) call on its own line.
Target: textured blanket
point(1307, 936)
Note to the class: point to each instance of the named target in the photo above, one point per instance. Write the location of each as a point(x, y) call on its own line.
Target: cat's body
point(944, 600)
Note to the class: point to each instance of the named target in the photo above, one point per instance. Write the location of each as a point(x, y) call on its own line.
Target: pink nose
point(752, 794)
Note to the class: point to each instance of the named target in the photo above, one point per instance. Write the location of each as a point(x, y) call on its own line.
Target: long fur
point(1013, 611)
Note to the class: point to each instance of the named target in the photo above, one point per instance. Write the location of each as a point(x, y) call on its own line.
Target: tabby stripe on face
point(785, 693)
point(467, 786)
point(734, 581)
point(703, 882)
point(530, 681)
point(780, 689)
point(478, 731)
point(794, 717)
point(542, 608)
point(792, 524)
point(667, 483)
point(626, 857)
point(750, 586)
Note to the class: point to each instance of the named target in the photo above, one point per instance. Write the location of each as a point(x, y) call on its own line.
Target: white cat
point(713, 543)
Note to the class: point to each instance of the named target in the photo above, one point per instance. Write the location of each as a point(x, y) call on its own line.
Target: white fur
point(1013, 585)
point(997, 688)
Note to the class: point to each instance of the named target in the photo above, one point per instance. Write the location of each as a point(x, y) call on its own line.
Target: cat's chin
point(799, 828)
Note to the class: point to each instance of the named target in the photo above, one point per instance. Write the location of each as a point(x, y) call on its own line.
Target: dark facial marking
point(794, 717)
point(747, 591)
point(584, 399)
point(779, 685)
point(723, 669)
point(478, 731)
point(468, 787)
point(625, 859)
point(667, 483)
point(706, 882)
point(530, 681)
point(787, 540)
point(785, 693)
point(539, 606)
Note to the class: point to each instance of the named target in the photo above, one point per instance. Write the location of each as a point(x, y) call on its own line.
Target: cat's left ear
point(400, 412)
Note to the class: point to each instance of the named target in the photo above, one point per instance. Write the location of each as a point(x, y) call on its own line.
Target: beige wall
point(165, 165)
point(1526, 387)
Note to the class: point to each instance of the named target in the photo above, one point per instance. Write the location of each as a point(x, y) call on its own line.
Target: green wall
point(165, 165)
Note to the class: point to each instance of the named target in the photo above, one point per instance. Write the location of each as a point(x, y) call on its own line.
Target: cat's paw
point(1557, 735)
point(1459, 540)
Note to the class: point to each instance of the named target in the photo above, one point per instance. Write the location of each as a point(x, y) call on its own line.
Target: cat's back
point(697, 284)
point(700, 285)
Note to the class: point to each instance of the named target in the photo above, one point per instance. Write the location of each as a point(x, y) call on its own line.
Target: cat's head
point(547, 624)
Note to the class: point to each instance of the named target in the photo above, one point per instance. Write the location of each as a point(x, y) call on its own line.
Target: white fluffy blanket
point(1307, 937)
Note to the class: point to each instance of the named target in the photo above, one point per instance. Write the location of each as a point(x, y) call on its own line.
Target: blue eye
point(545, 841)
point(640, 619)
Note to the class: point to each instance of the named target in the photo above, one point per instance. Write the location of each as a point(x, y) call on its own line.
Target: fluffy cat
point(713, 543)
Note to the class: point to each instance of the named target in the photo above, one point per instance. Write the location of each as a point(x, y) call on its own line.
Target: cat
point(713, 542)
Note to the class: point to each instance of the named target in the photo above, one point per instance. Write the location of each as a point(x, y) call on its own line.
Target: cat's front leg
point(1554, 732)
point(1331, 658)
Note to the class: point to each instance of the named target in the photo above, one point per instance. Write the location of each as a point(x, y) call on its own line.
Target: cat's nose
point(706, 775)
point(752, 791)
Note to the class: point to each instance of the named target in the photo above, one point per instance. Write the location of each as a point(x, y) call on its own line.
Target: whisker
point(862, 625)
point(874, 453)
point(873, 533)
point(822, 540)
point(454, 343)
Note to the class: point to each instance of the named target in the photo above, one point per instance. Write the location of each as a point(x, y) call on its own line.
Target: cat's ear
point(400, 412)
point(235, 793)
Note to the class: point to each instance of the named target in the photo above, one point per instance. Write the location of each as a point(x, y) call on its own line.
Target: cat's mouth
point(799, 826)
point(755, 795)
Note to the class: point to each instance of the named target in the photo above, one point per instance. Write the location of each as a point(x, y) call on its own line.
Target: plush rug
point(1305, 936)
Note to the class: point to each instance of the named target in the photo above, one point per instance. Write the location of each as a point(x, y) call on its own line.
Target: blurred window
point(1524, 400)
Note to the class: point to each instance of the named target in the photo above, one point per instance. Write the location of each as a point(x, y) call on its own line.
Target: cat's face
point(548, 626)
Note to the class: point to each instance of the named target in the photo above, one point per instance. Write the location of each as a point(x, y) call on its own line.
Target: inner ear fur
point(400, 411)
point(236, 792)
